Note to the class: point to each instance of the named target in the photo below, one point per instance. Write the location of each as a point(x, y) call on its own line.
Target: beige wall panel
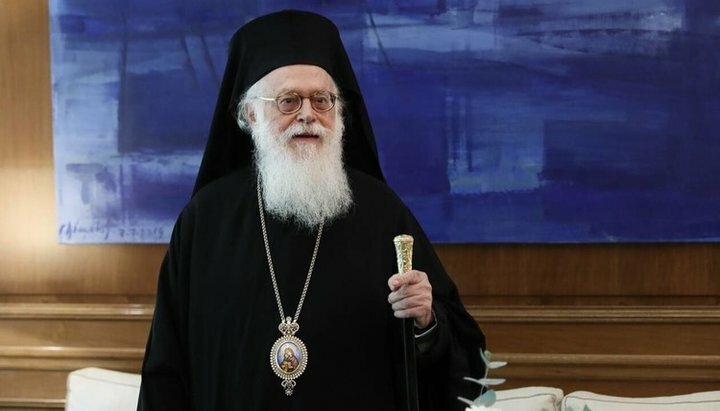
point(616, 270)
point(73, 333)
point(32, 384)
point(698, 339)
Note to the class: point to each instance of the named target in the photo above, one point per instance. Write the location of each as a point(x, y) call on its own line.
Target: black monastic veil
point(216, 316)
point(261, 46)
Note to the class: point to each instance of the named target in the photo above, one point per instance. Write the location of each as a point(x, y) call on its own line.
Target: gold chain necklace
point(288, 355)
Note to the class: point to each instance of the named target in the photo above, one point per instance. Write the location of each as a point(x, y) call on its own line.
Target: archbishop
point(279, 288)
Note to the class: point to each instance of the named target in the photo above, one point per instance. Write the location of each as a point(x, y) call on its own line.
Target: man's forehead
point(299, 77)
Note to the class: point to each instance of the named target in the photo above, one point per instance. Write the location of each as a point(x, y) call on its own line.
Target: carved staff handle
point(404, 251)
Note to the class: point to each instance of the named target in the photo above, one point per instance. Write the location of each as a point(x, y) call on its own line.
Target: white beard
point(308, 185)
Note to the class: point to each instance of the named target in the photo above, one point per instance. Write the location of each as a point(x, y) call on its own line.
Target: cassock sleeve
point(165, 378)
point(455, 351)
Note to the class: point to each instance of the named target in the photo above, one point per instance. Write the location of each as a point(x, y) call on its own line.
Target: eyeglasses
point(291, 103)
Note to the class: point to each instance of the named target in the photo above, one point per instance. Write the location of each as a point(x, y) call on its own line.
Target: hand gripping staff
point(403, 252)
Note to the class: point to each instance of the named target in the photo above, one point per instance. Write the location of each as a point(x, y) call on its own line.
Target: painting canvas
point(497, 121)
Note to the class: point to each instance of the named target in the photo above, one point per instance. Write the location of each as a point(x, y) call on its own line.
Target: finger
point(415, 312)
point(400, 279)
point(421, 301)
point(410, 290)
point(411, 277)
point(397, 295)
point(394, 282)
point(423, 289)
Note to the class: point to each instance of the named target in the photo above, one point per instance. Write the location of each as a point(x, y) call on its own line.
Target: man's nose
point(306, 113)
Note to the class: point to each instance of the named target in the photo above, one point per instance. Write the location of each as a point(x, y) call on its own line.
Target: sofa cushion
point(701, 401)
point(529, 399)
point(91, 389)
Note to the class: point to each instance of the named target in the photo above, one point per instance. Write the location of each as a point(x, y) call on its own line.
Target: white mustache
point(304, 129)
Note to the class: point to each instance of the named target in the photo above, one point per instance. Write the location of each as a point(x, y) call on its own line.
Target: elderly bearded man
point(285, 251)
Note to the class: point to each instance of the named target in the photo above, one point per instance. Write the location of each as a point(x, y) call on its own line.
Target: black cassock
point(216, 316)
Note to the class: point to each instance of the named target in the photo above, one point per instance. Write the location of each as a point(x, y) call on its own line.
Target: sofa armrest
point(91, 389)
point(701, 401)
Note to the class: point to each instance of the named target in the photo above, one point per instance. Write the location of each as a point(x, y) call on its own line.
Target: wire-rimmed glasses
point(290, 103)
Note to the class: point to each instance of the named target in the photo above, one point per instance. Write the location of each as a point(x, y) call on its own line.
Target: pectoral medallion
point(288, 356)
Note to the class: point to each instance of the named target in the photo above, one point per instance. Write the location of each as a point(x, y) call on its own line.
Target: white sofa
point(552, 399)
point(529, 398)
point(584, 400)
point(95, 389)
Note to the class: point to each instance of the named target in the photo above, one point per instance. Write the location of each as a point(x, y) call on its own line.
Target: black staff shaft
point(411, 392)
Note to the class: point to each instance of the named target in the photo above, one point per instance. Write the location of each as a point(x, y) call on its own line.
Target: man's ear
point(249, 113)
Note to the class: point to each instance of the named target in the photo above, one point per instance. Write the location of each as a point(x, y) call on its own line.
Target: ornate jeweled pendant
point(288, 356)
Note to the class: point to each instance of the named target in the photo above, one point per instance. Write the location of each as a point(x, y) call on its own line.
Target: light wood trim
point(32, 403)
point(482, 314)
point(645, 315)
point(71, 352)
point(688, 368)
point(710, 361)
point(71, 364)
point(70, 358)
point(76, 311)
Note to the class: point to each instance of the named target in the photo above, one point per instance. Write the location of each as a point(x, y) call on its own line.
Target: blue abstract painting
point(497, 121)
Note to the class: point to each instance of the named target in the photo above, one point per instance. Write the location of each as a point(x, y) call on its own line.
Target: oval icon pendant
point(288, 358)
